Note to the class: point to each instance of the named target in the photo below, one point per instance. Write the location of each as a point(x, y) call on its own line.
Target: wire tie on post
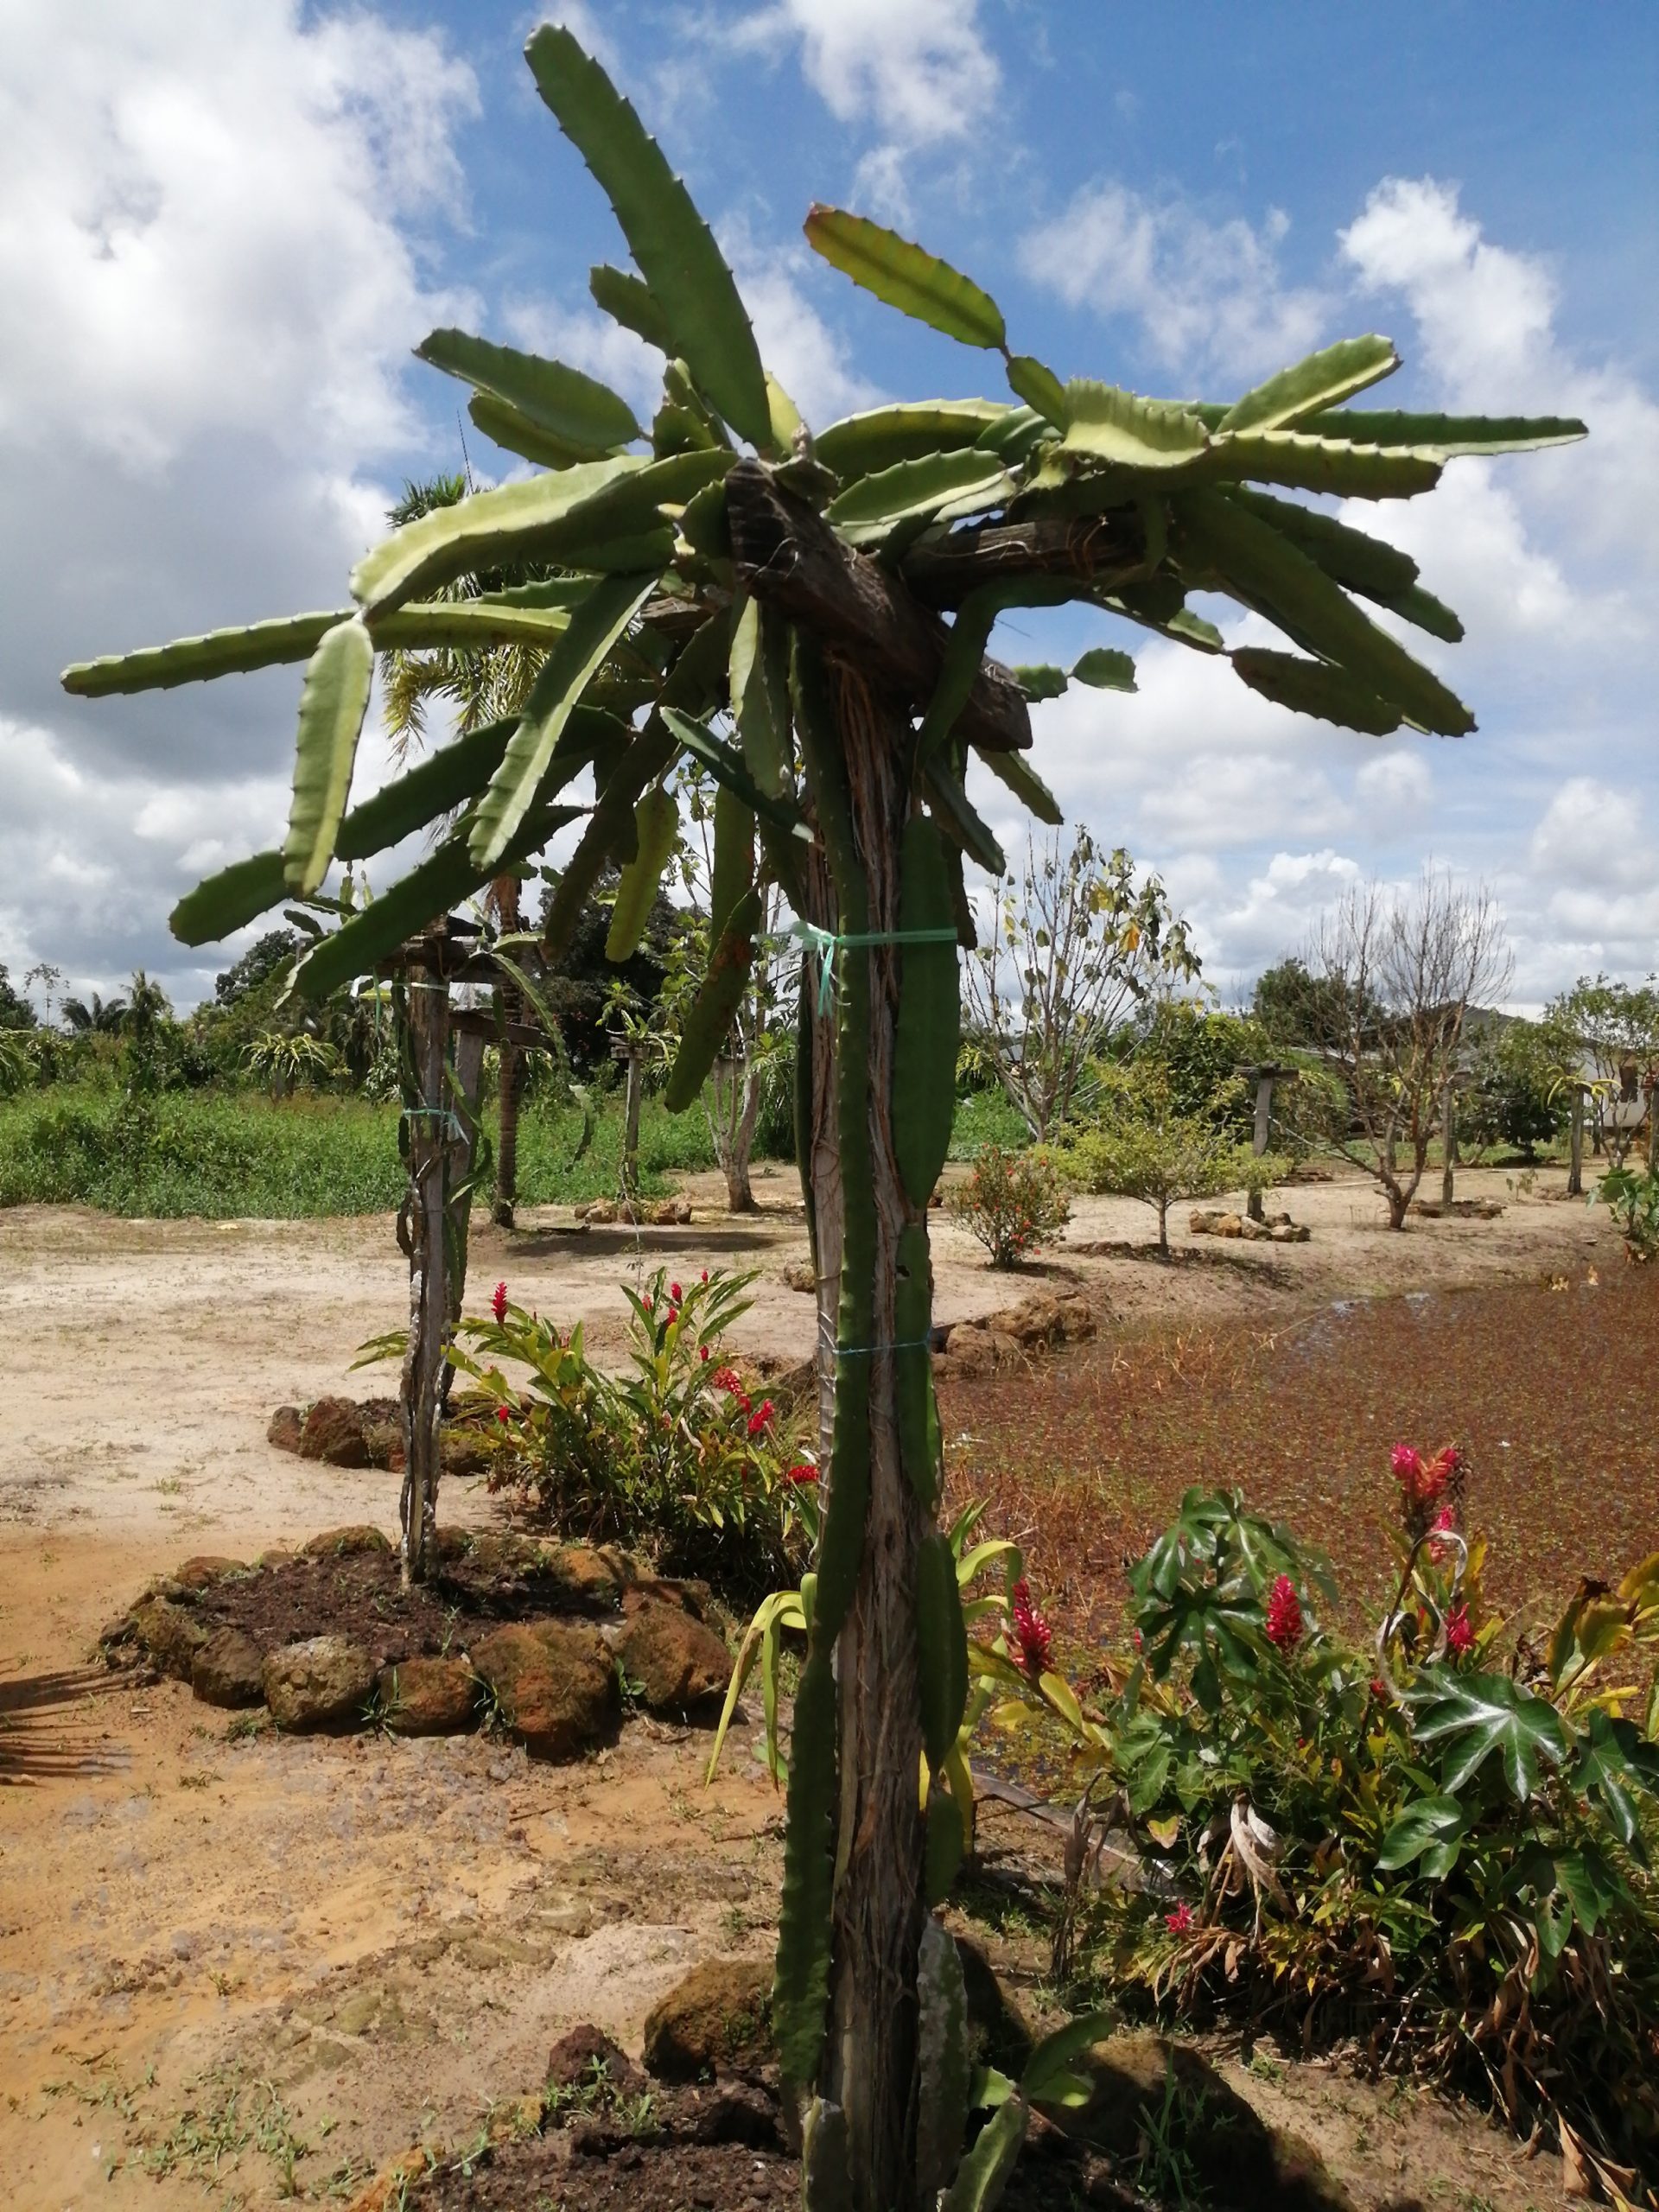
point(827, 943)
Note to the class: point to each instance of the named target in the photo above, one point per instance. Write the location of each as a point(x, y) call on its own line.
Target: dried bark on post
point(429, 1285)
point(1448, 1144)
point(1259, 1134)
point(511, 1008)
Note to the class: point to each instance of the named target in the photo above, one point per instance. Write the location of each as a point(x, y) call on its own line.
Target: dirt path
point(217, 1947)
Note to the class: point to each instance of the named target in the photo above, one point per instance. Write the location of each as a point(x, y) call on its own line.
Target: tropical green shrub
point(672, 1454)
point(1441, 1843)
point(1011, 1202)
point(1631, 1195)
point(1144, 1143)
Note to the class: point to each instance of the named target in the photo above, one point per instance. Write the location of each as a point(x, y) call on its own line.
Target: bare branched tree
point(1400, 971)
point(1077, 942)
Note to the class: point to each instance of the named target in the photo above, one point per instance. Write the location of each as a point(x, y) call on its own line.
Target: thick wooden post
point(1448, 1144)
point(428, 1149)
point(1575, 1162)
point(1653, 1125)
point(878, 1907)
point(1260, 1136)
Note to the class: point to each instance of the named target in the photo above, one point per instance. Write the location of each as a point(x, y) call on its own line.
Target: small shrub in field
point(672, 1455)
point(1631, 1195)
point(1441, 1843)
point(1012, 1201)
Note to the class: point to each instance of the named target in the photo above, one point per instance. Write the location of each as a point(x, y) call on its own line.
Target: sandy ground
point(215, 1946)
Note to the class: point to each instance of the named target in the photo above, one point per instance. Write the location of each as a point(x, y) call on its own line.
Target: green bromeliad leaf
point(1217, 538)
point(1446, 436)
point(1119, 426)
point(1040, 679)
point(596, 625)
point(628, 299)
point(917, 487)
point(905, 276)
point(576, 409)
point(1308, 462)
point(1107, 669)
point(196, 660)
point(859, 445)
point(684, 270)
point(1324, 380)
point(333, 703)
point(1039, 388)
point(1314, 687)
point(1027, 786)
point(514, 522)
point(1473, 1717)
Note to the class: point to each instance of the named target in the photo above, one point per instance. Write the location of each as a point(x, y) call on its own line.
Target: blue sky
point(227, 226)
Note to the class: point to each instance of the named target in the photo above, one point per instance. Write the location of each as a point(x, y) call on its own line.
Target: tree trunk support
point(1259, 1137)
point(1575, 1158)
point(428, 1274)
point(1448, 1146)
point(634, 1057)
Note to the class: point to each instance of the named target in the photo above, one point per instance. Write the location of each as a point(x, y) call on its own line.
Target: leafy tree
point(16, 1012)
point(1515, 1093)
point(1078, 942)
point(797, 587)
point(1293, 1007)
point(266, 962)
point(1201, 1050)
point(1398, 975)
point(1147, 1142)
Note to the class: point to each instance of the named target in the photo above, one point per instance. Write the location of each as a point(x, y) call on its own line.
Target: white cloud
point(1395, 790)
point(1594, 836)
point(590, 341)
point(1209, 296)
point(919, 71)
point(809, 358)
point(1242, 799)
point(211, 251)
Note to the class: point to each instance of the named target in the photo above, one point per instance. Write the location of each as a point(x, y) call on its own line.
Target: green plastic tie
point(827, 943)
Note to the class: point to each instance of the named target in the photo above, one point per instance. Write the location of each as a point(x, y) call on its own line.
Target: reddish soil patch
point(359, 1596)
point(1547, 1390)
point(602, 2165)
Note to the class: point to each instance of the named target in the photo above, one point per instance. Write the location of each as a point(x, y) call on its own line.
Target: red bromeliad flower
point(1285, 1627)
point(703, 1277)
point(728, 1378)
point(703, 1352)
point(675, 1293)
point(1459, 1635)
point(503, 1414)
point(761, 1417)
point(1030, 1631)
point(498, 1303)
point(1180, 1921)
point(806, 1472)
point(1422, 1481)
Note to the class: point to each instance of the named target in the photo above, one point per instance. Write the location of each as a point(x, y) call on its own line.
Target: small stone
point(428, 1697)
point(341, 1543)
point(556, 1685)
point(676, 1660)
point(718, 2020)
point(171, 1633)
point(801, 1274)
point(205, 1569)
point(318, 1684)
point(334, 1433)
point(287, 1426)
point(600, 1213)
point(1290, 1232)
point(583, 1576)
point(278, 1556)
point(229, 1670)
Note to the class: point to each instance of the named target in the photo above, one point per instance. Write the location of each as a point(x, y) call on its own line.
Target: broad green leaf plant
point(773, 599)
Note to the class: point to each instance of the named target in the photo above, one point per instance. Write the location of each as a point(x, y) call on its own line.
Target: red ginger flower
point(1459, 1635)
point(1180, 1920)
point(503, 1414)
point(1421, 1481)
point(805, 1472)
point(1285, 1627)
point(703, 1352)
point(675, 1293)
point(1030, 1631)
point(703, 1277)
point(728, 1378)
point(1444, 1520)
point(761, 1417)
point(498, 1303)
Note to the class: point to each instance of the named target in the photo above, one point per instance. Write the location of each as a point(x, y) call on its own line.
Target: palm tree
point(95, 1016)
